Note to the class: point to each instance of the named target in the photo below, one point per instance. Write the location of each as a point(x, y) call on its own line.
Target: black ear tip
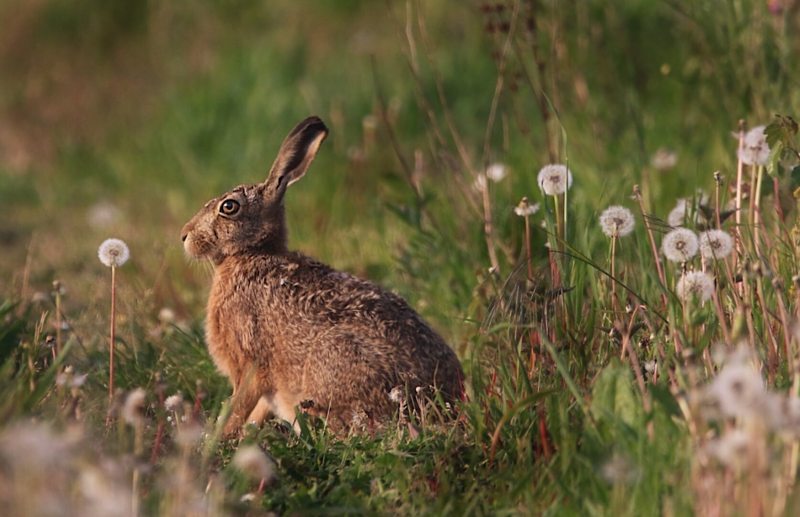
point(314, 124)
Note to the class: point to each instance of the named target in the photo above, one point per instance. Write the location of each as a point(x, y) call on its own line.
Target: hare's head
point(250, 218)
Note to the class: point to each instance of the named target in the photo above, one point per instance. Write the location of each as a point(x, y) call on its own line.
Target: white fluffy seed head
point(679, 215)
point(251, 460)
point(680, 245)
point(664, 159)
point(396, 395)
point(715, 244)
point(755, 150)
point(174, 402)
point(134, 406)
point(738, 389)
point(732, 448)
point(525, 208)
point(695, 284)
point(617, 221)
point(113, 252)
point(554, 179)
point(496, 172)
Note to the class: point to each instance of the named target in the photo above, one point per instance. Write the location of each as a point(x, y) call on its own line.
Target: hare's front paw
point(233, 429)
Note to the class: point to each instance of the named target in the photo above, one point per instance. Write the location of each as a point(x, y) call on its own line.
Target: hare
point(289, 331)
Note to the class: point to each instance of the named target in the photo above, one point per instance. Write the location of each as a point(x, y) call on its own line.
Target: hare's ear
point(295, 155)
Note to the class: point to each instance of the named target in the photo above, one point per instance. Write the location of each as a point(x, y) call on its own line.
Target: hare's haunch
point(291, 332)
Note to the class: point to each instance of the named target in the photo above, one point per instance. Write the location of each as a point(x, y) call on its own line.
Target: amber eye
point(229, 207)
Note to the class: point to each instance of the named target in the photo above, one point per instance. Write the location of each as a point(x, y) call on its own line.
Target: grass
point(583, 399)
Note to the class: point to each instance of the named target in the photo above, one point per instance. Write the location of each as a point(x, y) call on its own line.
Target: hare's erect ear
point(296, 154)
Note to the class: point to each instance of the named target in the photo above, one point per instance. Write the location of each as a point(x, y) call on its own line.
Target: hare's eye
point(229, 207)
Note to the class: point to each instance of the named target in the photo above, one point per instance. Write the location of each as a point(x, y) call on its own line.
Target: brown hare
point(289, 331)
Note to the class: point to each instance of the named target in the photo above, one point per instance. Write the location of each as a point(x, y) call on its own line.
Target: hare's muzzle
point(185, 233)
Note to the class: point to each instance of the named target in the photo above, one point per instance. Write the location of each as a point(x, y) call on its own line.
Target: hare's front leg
point(244, 402)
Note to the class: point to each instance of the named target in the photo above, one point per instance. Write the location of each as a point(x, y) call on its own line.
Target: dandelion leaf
point(783, 129)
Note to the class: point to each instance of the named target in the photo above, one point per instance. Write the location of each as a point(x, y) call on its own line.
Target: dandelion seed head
point(677, 216)
point(396, 395)
point(715, 244)
point(166, 315)
point(524, 208)
point(732, 448)
point(102, 490)
point(103, 215)
point(189, 434)
point(618, 469)
point(70, 379)
point(781, 413)
point(738, 389)
point(174, 402)
point(254, 462)
point(664, 159)
point(496, 172)
point(617, 221)
point(113, 252)
point(755, 150)
point(695, 284)
point(680, 245)
point(133, 409)
point(554, 179)
point(36, 447)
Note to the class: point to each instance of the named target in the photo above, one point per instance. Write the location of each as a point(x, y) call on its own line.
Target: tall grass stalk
point(59, 323)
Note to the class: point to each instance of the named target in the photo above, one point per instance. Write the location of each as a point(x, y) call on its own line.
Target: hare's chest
point(230, 329)
point(221, 342)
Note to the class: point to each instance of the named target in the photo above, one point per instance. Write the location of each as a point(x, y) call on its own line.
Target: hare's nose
point(183, 237)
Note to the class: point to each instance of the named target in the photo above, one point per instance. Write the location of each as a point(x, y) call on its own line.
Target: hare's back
point(340, 306)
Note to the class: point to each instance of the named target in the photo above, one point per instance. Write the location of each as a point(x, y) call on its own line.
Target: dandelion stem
point(757, 209)
point(528, 246)
point(751, 215)
point(739, 173)
point(613, 274)
point(564, 220)
point(532, 336)
point(113, 332)
point(488, 227)
point(559, 223)
point(717, 183)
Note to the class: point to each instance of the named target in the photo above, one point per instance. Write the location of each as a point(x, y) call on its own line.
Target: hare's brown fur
point(290, 331)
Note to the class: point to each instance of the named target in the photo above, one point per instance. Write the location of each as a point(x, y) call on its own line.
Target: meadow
point(627, 320)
